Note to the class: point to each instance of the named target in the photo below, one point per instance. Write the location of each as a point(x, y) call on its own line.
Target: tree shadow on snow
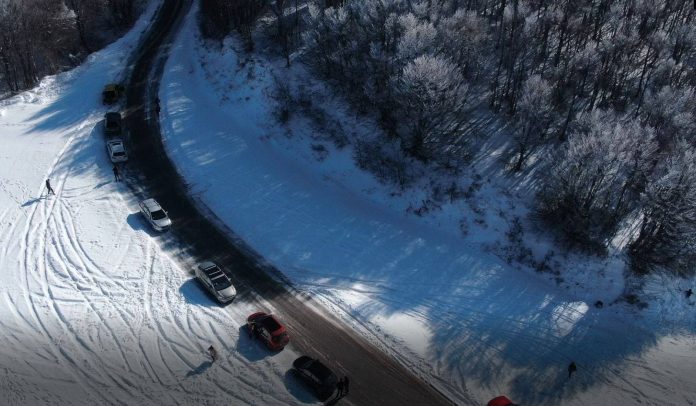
point(204, 366)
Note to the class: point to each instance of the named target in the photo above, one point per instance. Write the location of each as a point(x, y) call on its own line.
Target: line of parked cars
point(262, 326)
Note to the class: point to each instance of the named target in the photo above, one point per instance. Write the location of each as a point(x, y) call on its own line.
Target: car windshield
point(280, 338)
point(159, 214)
point(320, 371)
point(119, 153)
point(270, 324)
point(221, 283)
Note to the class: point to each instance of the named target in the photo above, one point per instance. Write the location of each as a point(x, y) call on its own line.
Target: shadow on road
point(137, 223)
point(297, 389)
point(205, 365)
point(194, 294)
point(251, 348)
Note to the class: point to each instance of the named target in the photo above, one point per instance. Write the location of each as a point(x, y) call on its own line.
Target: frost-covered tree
point(535, 117)
point(667, 233)
point(433, 100)
point(672, 113)
point(596, 179)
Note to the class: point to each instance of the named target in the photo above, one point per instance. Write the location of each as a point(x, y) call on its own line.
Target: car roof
point(151, 204)
point(206, 265)
point(500, 401)
point(271, 324)
point(319, 370)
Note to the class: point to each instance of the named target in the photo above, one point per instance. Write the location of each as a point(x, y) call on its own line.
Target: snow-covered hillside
point(93, 309)
point(462, 318)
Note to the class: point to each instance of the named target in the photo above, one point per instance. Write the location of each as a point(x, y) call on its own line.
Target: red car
point(501, 401)
point(268, 329)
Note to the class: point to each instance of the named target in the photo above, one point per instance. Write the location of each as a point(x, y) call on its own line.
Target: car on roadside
point(500, 401)
point(155, 215)
point(111, 93)
point(116, 150)
point(316, 375)
point(216, 281)
point(268, 329)
point(112, 123)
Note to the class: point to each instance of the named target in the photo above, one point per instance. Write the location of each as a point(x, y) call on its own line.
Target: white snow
point(442, 304)
point(93, 308)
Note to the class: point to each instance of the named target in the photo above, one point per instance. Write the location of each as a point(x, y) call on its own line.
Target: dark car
point(112, 123)
point(112, 92)
point(268, 329)
point(317, 375)
point(501, 401)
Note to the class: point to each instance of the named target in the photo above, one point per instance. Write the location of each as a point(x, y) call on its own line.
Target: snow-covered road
point(93, 310)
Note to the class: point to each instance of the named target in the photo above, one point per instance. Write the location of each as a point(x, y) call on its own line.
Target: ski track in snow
point(93, 311)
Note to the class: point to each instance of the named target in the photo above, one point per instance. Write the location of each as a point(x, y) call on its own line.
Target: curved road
point(376, 379)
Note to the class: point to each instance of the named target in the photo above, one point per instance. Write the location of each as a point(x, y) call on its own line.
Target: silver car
point(155, 215)
point(216, 281)
point(117, 151)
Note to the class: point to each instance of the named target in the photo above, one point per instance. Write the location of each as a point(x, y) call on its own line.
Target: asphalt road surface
point(376, 378)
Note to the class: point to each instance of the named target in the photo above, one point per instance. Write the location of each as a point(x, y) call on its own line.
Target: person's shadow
point(34, 200)
point(199, 369)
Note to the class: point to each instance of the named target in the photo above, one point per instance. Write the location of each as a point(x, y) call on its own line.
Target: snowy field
point(94, 310)
point(458, 315)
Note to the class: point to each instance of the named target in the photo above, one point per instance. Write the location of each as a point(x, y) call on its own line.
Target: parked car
point(216, 281)
point(268, 329)
point(112, 92)
point(116, 150)
point(317, 375)
point(112, 123)
point(501, 401)
point(155, 215)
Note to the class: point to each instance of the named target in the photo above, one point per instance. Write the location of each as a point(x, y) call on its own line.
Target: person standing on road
point(50, 189)
point(339, 387)
point(571, 369)
point(213, 353)
point(346, 385)
point(117, 175)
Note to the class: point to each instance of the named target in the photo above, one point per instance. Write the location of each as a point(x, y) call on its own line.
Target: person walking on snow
point(116, 174)
point(571, 369)
point(213, 353)
point(50, 189)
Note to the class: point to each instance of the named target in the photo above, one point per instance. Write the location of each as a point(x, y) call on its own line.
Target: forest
point(42, 37)
point(600, 93)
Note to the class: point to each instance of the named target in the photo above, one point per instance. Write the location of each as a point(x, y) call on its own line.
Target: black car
point(112, 123)
point(317, 375)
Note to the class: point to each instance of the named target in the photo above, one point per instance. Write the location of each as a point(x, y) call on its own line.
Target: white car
point(216, 281)
point(116, 150)
point(155, 215)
